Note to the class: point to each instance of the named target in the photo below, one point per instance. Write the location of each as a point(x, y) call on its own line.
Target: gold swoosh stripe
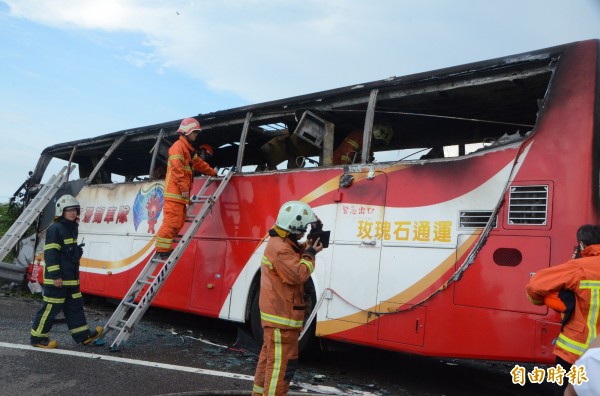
point(101, 264)
point(334, 183)
point(341, 324)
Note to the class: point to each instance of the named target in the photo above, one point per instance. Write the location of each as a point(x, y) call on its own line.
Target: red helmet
point(189, 125)
point(208, 148)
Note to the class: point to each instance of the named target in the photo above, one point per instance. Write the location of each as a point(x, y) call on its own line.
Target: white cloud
point(268, 49)
point(105, 14)
point(257, 50)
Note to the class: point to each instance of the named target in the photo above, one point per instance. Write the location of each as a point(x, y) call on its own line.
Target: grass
point(8, 215)
point(5, 219)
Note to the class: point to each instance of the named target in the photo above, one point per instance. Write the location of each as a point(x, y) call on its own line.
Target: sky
point(74, 69)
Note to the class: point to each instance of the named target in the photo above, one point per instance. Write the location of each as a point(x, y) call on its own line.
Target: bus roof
point(484, 96)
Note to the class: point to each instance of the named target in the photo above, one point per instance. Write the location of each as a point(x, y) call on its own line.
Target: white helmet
point(383, 132)
point(295, 216)
point(65, 202)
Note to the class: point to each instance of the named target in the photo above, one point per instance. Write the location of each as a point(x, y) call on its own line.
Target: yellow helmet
point(65, 202)
point(383, 132)
point(295, 216)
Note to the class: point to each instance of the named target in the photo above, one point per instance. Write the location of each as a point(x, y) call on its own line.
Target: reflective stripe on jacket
point(61, 253)
point(179, 170)
point(350, 149)
point(582, 276)
point(285, 268)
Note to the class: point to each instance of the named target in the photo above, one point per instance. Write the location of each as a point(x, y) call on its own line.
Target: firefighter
point(206, 152)
point(582, 277)
point(61, 279)
point(348, 151)
point(183, 160)
point(286, 265)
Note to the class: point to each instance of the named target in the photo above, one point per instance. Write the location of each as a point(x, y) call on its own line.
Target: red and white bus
point(491, 169)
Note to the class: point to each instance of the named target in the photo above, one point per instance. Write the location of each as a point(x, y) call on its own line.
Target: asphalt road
point(175, 353)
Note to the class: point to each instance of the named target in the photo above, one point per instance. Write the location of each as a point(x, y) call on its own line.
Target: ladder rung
point(115, 327)
point(132, 305)
point(144, 282)
point(32, 211)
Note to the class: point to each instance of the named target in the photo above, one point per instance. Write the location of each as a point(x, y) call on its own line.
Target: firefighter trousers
point(277, 362)
point(173, 220)
point(56, 299)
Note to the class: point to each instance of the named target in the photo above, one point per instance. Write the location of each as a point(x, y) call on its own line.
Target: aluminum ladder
point(32, 212)
point(157, 270)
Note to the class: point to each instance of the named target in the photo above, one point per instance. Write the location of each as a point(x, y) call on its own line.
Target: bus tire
point(308, 345)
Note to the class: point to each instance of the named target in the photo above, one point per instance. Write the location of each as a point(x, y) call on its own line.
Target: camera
point(316, 231)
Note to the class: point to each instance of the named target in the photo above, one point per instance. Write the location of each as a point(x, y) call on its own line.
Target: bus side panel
point(418, 254)
point(488, 314)
point(563, 151)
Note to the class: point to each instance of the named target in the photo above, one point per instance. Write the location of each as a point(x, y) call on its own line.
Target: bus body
point(432, 242)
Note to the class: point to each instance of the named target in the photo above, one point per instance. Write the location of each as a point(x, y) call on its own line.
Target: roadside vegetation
point(4, 223)
point(9, 213)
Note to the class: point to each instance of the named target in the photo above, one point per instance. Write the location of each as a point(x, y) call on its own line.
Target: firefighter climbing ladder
point(157, 270)
point(31, 212)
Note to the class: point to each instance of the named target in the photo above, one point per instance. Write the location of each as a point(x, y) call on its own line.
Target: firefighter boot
point(93, 336)
point(165, 255)
point(45, 343)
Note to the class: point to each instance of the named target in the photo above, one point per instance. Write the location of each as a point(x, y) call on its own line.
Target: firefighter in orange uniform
point(582, 277)
point(183, 160)
point(286, 266)
point(349, 151)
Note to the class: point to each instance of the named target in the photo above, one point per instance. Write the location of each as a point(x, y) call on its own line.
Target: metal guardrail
point(12, 272)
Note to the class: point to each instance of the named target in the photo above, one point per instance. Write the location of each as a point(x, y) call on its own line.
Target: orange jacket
point(582, 276)
point(349, 148)
point(179, 170)
point(286, 266)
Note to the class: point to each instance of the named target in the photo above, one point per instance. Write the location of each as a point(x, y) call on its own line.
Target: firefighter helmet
point(65, 202)
point(383, 132)
point(208, 149)
point(189, 125)
point(295, 216)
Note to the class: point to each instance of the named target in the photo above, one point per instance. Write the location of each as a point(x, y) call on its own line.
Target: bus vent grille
point(528, 205)
point(475, 218)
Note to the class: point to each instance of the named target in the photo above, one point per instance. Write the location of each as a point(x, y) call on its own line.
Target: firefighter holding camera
point(286, 265)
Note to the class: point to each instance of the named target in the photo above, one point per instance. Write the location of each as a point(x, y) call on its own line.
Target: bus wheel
point(308, 344)
point(255, 324)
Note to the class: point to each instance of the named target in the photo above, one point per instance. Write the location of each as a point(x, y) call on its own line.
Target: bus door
point(406, 273)
point(357, 247)
point(416, 253)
